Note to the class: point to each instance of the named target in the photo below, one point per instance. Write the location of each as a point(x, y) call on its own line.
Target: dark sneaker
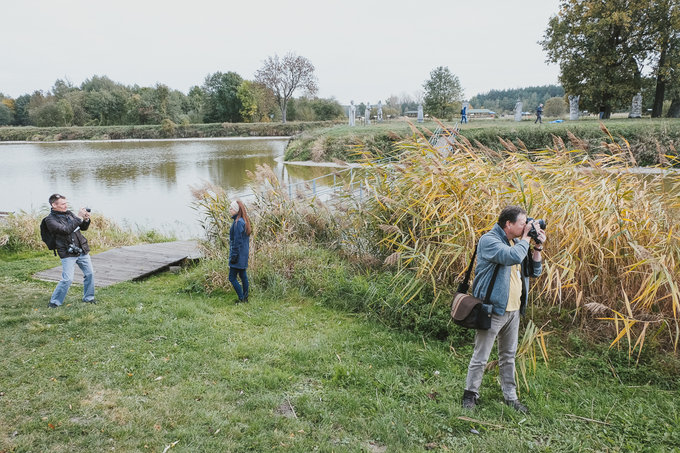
point(469, 400)
point(519, 407)
point(52, 305)
point(93, 301)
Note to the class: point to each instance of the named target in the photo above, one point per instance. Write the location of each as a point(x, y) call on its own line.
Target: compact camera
point(533, 234)
point(74, 249)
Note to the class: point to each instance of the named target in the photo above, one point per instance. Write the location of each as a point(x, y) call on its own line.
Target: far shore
point(148, 140)
point(157, 131)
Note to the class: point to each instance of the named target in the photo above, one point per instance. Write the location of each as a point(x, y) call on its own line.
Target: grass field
point(154, 365)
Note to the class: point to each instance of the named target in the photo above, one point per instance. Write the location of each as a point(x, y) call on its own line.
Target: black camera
point(74, 249)
point(88, 209)
point(533, 234)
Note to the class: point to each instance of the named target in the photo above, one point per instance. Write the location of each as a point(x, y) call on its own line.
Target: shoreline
point(311, 163)
point(148, 140)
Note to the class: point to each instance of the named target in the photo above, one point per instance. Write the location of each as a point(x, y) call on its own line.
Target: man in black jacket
point(72, 248)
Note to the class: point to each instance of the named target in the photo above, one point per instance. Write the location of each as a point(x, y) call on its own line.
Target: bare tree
point(284, 76)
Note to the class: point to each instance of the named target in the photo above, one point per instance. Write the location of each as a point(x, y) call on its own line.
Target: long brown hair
point(244, 215)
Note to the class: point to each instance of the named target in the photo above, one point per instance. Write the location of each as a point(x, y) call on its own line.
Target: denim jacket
point(494, 248)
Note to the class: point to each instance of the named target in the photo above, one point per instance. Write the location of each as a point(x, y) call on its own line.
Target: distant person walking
point(463, 115)
point(239, 249)
point(539, 114)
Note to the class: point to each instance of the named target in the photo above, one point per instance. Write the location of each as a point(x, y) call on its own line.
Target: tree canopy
point(442, 93)
point(283, 76)
point(222, 103)
point(605, 49)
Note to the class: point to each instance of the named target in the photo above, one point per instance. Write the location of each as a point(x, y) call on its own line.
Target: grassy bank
point(343, 142)
point(648, 138)
point(157, 131)
point(154, 365)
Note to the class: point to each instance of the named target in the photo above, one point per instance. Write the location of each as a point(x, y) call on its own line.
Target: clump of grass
point(21, 232)
point(612, 233)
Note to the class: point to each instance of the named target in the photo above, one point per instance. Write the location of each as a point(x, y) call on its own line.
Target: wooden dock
point(130, 262)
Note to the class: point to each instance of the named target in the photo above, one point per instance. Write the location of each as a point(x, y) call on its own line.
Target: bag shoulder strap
point(487, 298)
point(464, 286)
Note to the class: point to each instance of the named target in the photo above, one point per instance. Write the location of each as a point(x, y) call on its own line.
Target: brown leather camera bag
point(468, 311)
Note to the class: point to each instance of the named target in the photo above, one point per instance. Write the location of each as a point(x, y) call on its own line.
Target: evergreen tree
point(442, 91)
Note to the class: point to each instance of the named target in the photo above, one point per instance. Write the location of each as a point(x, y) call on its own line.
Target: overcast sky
point(363, 50)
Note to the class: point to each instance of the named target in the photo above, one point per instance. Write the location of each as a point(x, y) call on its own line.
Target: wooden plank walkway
point(130, 262)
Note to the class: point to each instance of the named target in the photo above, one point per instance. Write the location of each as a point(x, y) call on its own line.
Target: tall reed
point(613, 244)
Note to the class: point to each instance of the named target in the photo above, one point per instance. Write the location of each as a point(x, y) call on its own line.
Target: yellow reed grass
point(613, 236)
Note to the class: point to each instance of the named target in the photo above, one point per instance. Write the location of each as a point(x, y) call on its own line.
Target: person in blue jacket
point(539, 114)
point(507, 246)
point(239, 249)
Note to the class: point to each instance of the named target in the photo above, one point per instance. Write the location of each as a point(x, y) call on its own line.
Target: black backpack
point(47, 237)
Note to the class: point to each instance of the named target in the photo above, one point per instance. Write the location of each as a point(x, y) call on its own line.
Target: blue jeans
point(68, 265)
point(242, 293)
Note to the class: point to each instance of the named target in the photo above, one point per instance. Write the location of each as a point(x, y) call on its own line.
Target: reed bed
point(613, 249)
point(613, 242)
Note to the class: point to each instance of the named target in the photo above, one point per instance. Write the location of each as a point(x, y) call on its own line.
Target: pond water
point(140, 184)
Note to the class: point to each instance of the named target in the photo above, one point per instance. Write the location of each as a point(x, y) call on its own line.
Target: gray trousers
point(506, 329)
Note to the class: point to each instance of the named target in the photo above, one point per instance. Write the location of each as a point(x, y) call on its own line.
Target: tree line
point(610, 50)
point(503, 101)
point(222, 97)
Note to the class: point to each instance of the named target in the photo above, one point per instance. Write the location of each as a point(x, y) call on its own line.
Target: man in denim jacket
point(506, 245)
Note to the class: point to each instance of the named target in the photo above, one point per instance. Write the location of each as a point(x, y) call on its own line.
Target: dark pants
point(241, 292)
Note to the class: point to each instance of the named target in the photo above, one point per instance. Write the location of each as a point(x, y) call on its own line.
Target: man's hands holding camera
point(539, 237)
point(84, 213)
point(533, 230)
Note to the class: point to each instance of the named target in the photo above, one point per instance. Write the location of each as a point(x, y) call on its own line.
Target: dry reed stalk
point(612, 233)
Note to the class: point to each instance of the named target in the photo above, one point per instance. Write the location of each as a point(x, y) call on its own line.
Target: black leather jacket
point(62, 225)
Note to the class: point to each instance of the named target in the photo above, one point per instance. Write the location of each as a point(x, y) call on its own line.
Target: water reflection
point(145, 184)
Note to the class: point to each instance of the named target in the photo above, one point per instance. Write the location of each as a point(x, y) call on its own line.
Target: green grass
point(153, 364)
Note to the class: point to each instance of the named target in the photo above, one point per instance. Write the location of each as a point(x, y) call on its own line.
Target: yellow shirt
point(515, 296)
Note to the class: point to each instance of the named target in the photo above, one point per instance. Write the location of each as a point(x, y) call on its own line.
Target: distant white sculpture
point(573, 106)
point(636, 107)
point(420, 113)
point(352, 113)
point(380, 118)
point(368, 113)
point(518, 110)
